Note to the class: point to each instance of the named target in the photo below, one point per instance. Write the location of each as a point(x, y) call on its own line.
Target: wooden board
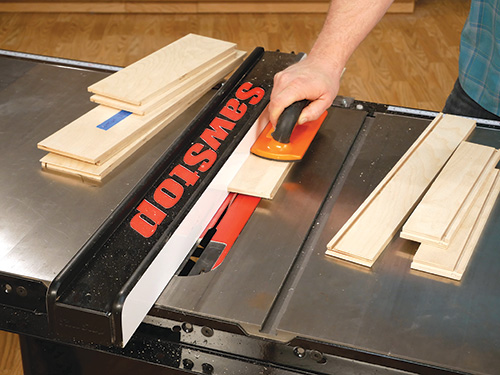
point(376, 221)
point(259, 177)
point(62, 164)
point(453, 261)
point(84, 141)
point(233, 59)
point(445, 205)
point(170, 7)
point(163, 69)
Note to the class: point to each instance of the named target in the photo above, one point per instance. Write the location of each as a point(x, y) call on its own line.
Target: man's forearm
point(317, 77)
point(347, 23)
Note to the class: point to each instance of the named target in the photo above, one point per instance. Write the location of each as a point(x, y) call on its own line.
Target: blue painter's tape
point(112, 121)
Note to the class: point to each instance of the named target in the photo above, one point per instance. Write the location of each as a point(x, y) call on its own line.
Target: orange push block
point(266, 147)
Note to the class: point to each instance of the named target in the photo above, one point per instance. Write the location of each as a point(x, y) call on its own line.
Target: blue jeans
point(459, 103)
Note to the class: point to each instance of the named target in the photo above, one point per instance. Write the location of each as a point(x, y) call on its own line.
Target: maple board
point(84, 141)
point(259, 177)
point(436, 218)
point(376, 221)
point(163, 69)
point(452, 262)
point(66, 165)
point(153, 103)
point(69, 166)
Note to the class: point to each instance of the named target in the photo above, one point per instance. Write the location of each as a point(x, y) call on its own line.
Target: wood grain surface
point(91, 172)
point(380, 216)
point(163, 69)
point(183, 6)
point(445, 205)
point(10, 354)
point(84, 139)
point(408, 60)
point(452, 262)
point(259, 177)
point(232, 60)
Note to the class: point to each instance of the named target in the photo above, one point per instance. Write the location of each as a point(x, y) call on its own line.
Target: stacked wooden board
point(451, 214)
point(136, 103)
point(448, 220)
point(442, 210)
point(452, 261)
point(376, 221)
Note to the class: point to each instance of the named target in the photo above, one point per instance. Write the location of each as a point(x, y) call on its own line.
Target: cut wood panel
point(445, 205)
point(376, 221)
point(232, 61)
point(259, 177)
point(84, 141)
point(452, 262)
point(62, 164)
point(163, 69)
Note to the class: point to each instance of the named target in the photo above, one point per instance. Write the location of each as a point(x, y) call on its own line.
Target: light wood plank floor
point(408, 60)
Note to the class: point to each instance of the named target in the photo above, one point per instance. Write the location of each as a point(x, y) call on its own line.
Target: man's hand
point(317, 77)
point(308, 79)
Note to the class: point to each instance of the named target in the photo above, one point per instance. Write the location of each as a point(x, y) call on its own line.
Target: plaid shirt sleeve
point(479, 61)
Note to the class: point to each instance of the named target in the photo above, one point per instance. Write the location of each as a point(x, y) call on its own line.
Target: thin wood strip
point(366, 203)
point(452, 262)
point(369, 230)
point(446, 259)
point(478, 228)
point(99, 172)
point(83, 141)
point(182, 7)
point(452, 230)
point(259, 177)
point(163, 69)
point(446, 203)
point(232, 60)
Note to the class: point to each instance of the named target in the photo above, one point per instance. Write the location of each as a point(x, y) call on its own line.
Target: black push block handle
point(287, 120)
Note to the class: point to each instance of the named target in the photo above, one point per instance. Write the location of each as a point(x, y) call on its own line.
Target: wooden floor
point(10, 355)
point(408, 60)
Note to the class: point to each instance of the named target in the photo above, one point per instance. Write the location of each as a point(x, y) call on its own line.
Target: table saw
point(275, 304)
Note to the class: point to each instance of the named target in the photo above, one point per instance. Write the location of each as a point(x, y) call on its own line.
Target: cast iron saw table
point(276, 305)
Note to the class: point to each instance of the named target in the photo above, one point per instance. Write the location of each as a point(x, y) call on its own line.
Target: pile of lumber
point(444, 186)
point(136, 103)
point(449, 219)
